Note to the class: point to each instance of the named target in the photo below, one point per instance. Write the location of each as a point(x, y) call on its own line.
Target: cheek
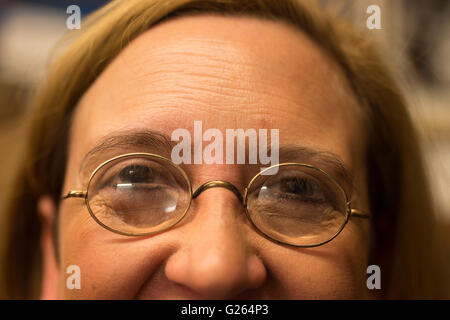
point(111, 266)
point(336, 270)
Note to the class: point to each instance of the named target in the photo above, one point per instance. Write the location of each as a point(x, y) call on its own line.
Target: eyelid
point(115, 168)
point(148, 141)
point(126, 141)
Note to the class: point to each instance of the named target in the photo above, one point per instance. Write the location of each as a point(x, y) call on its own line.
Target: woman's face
point(229, 73)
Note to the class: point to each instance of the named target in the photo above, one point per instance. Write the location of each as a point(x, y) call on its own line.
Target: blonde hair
point(407, 243)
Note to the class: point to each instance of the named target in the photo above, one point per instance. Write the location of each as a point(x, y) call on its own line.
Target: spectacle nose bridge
point(218, 184)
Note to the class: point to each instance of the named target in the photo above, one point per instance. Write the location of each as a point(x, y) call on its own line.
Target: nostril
point(215, 258)
point(211, 275)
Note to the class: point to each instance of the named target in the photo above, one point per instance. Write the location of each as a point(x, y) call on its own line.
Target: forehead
point(229, 72)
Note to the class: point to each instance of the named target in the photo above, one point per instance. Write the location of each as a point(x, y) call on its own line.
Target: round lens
point(138, 194)
point(297, 204)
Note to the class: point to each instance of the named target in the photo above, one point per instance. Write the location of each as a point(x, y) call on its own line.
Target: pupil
point(298, 186)
point(135, 174)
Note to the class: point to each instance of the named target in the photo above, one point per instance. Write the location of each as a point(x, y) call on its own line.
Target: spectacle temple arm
point(359, 214)
point(75, 194)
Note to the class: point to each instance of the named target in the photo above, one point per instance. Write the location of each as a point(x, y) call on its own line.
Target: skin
point(229, 72)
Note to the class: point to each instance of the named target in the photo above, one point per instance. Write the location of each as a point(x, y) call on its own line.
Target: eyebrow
point(327, 161)
point(160, 143)
point(144, 139)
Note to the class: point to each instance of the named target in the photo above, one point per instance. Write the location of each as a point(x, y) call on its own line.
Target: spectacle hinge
point(75, 194)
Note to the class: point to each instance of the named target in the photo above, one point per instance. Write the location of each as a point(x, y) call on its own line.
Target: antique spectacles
point(139, 194)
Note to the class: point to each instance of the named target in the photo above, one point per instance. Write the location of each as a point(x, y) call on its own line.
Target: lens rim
point(330, 177)
point(133, 155)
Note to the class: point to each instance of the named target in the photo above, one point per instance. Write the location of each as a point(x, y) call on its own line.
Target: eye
point(132, 177)
point(301, 187)
point(138, 192)
point(299, 204)
point(294, 187)
point(136, 174)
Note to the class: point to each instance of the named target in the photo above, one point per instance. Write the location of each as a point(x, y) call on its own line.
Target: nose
point(216, 260)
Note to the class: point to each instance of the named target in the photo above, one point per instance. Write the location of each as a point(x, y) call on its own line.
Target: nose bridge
point(218, 184)
point(216, 260)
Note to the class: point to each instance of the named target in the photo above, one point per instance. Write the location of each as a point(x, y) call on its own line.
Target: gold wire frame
point(85, 194)
point(348, 210)
point(213, 184)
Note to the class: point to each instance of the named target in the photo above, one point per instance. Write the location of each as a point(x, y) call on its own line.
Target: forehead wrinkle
point(210, 83)
point(216, 86)
point(168, 62)
point(220, 63)
point(221, 46)
point(223, 64)
point(181, 55)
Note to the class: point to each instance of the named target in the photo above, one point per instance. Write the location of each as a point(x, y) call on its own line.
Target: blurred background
point(29, 34)
point(414, 37)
